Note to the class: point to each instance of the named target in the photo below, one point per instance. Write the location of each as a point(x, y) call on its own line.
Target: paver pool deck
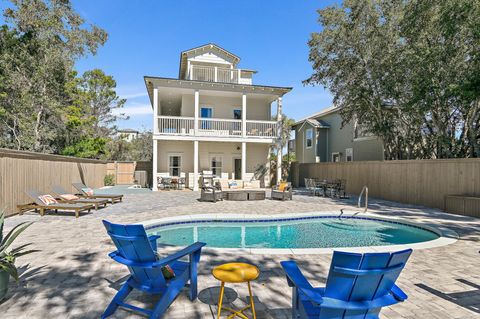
point(72, 276)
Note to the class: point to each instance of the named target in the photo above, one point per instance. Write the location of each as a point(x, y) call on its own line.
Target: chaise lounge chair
point(358, 286)
point(68, 197)
point(87, 192)
point(148, 272)
point(39, 204)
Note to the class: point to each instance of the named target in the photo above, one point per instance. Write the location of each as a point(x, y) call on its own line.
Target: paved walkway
point(72, 276)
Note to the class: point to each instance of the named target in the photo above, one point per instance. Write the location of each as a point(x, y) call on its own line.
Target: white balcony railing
point(262, 129)
point(219, 74)
point(185, 126)
point(175, 125)
point(219, 127)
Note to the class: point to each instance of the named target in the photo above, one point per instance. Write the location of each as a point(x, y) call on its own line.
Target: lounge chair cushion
point(233, 184)
point(88, 191)
point(247, 185)
point(69, 197)
point(282, 186)
point(47, 199)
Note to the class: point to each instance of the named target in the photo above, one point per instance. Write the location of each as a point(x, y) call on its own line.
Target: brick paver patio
point(72, 276)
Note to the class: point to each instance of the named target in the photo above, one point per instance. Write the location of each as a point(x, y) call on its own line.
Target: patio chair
point(210, 192)
point(68, 197)
point(87, 192)
point(339, 188)
point(150, 273)
point(283, 191)
point(358, 286)
point(311, 186)
point(166, 183)
point(181, 183)
point(43, 202)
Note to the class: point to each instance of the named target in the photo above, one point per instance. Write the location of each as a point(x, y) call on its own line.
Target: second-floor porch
point(183, 126)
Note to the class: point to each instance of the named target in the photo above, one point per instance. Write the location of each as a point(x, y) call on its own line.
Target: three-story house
point(213, 118)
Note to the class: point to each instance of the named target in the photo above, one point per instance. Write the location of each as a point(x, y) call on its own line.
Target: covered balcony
point(215, 127)
point(219, 74)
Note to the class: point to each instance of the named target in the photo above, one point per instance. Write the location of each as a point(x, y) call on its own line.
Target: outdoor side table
point(236, 273)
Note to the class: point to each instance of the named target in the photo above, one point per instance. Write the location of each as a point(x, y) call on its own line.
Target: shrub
point(109, 180)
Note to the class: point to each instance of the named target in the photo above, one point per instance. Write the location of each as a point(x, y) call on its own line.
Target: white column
point(244, 115)
point(244, 159)
point(197, 107)
point(195, 165)
point(216, 74)
point(279, 142)
point(155, 164)
point(155, 142)
point(155, 110)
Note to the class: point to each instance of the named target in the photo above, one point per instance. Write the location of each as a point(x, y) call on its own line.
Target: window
point(237, 114)
point(174, 165)
point(349, 154)
point(216, 163)
point(309, 137)
point(336, 157)
point(206, 112)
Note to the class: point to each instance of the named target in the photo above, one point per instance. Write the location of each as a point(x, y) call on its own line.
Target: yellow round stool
point(236, 273)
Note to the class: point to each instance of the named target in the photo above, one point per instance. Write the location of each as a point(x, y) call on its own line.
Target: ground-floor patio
point(72, 276)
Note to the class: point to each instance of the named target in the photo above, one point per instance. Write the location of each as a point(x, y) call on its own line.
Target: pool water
point(122, 189)
point(307, 233)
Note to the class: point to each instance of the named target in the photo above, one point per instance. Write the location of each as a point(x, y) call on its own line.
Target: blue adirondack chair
point(138, 252)
point(358, 286)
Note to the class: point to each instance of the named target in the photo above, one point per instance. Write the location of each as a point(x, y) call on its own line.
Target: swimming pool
point(301, 232)
point(122, 189)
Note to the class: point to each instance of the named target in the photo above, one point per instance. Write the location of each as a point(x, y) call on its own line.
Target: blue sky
point(146, 37)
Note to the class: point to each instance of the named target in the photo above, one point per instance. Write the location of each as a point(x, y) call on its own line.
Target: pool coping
point(446, 235)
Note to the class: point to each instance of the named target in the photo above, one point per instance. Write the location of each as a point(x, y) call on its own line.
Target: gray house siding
point(302, 153)
point(369, 149)
point(334, 139)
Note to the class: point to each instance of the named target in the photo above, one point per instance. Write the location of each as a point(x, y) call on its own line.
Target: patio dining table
point(324, 185)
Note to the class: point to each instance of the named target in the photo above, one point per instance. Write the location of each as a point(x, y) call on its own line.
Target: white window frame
point(233, 113)
point(214, 169)
point(346, 154)
point(337, 154)
point(179, 167)
point(306, 137)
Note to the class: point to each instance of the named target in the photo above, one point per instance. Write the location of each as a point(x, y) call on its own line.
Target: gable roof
point(209, 46)
point(317, 115)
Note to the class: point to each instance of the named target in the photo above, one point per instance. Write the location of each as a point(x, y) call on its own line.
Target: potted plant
point(8, 256)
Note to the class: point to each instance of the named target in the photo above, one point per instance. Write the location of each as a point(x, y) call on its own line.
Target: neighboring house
point(212, 118)
point(320, 137)
point(127, 134)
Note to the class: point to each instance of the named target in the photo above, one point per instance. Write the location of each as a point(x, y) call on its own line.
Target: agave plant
point(8, 256)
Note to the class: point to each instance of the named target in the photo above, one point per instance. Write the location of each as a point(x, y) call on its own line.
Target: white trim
point(195, 166)
point(249, 139)
point(221, 157)
point(339, 157)
point(173, 154)
point(306, 138)
point(155, 165)
point(244, 160)
point(346, 154)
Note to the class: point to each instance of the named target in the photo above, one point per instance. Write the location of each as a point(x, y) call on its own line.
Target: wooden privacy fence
point(419, 182)
point(124, 172)
point(20, 171)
